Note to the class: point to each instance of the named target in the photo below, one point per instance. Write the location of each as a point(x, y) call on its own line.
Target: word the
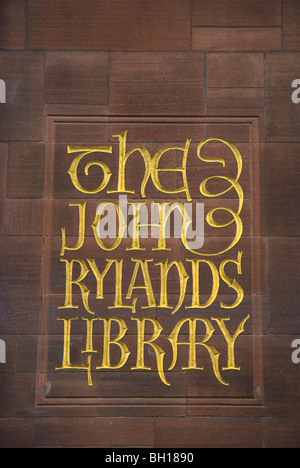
point(296, 353)
point(152, 167)
point(296, 93)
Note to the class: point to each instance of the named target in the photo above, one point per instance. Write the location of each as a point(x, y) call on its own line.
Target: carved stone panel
point(152, 284)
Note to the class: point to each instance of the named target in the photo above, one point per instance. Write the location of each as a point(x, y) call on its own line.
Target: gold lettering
point(118, 282)
point(155, 169)
point(164, 219)
point(122, 225)
point(196, 282)
point(136, 226)
point(70, 281)
point(183, 279)
point(233, 183)
point(66, 363)
point(123, 158)
point(232, 283)
point(100, 276)
point(73, 171)
point(186, 331)
point(192, 343)
point(81, 229)
point(143, 264)
point(108, 342)
point(230, 340)
point(89, 334)
point(159, 353)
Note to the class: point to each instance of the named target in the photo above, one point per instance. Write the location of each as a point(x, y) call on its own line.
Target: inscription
point(152, 291)
point(190, 271)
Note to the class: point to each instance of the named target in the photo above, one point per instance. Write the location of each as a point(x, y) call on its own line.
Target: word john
point(150, 221)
